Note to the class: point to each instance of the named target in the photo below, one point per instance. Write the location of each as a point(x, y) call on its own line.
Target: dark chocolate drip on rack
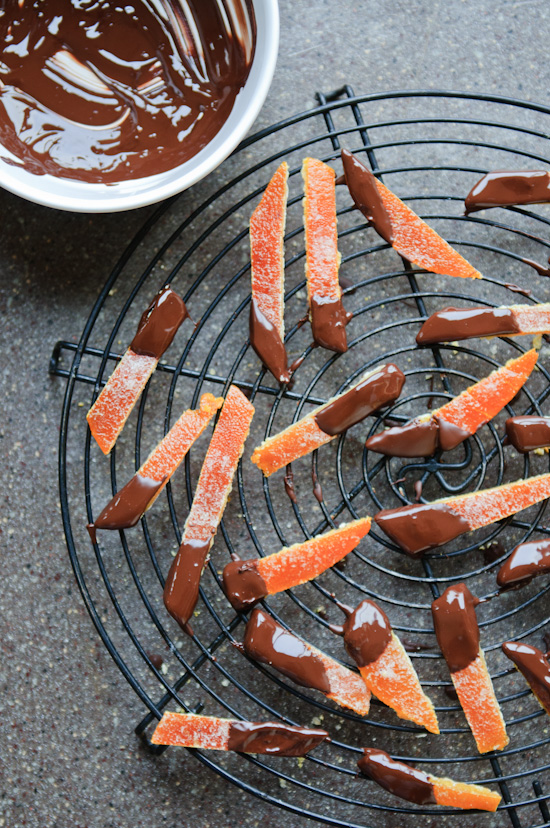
point(317, 490)
point(159, 324)
point(267, 641)
point(453, 324)
point(127, 506)
point(529, 432)
point(273, 738)
point(397, 777)
point(366, 196)
point(542, 270)
point(289, 484)
point(526, 562)
point(534, 666)
point(367, 633)
point(456, 627)
point(378, 389)
point(419, 527)
point(243, 584)
point(506, 188)
point(267, 343)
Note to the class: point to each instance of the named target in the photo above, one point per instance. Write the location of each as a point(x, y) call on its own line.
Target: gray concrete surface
point(69, 757)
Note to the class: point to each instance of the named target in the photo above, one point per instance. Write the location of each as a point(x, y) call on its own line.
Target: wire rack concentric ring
point(430, 147)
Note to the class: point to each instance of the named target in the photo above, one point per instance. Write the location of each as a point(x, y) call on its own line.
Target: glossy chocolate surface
point(267, 641)
point(453, 324)
point(367, 633)
point(364, 192)
point(529, 432)
point(526, 562)
point(534, 666)
point(273, 738)
point(104, 92)
point(159, 324)
point(418, 439)
point(419, 527)
point(181, 589)
point(503, 188)
point(127, 506)
point(396, 777)
point(328, 323)
point(243, 584)
point(377, 390)
point(267, 343)
point(456, 627)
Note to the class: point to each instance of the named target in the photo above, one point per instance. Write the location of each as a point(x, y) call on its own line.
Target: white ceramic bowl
point(82, 197)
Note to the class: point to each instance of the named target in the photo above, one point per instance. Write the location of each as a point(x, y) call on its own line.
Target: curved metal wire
point(387, 299)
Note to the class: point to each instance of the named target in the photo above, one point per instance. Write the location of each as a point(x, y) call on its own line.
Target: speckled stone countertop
point(69, 756)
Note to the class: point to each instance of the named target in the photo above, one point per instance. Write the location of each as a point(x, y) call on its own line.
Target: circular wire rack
point(430, 148)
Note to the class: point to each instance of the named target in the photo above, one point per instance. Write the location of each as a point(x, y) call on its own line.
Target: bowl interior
point(79, 196)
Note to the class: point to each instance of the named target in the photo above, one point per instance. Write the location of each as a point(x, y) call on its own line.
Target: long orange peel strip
point(213, 733)
point(419, 243)
point(114, 405)
point(479, 403)
point(211, 495)
point(476, 509)
point(322, 256)
point(393, 680)
point(293, 565)
point(526, 319)
point(297, 440)
point(267, 230)
point(477, 697)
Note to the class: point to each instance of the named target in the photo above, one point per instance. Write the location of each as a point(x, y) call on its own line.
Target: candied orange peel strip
point(328, 317)
point(462, 795)
point(304, 436)
point(419, 243)
point(393, 680)
point(267, 230)
point(291, 566)
point(474, 406)
point(477, 696)
point(114, 405)
point(211, 495)
point(213, 733)
point(482, 322)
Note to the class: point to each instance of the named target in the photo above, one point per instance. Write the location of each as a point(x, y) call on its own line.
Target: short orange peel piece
point(461, 795)
point(267, 230)
point(301, 562)
point(190, 730)
point(393, 680)
point(107, 416)
point(477, 696)
point(419, 243)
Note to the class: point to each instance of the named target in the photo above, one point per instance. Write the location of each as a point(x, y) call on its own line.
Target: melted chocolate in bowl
point(103, 92)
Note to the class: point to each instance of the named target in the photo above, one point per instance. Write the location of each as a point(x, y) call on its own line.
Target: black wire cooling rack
point(430, 147)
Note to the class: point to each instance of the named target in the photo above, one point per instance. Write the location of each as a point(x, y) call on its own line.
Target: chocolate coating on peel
point(456, 627)
point(419, 527)
point(379, 389)
point(418, 439)
point(268, 642)
point(453, 324)
point(267, 343)
point(504, 188)
point(273, 738)
point(397, 777)
point(328, 323)
point(159, 324)
point(364, 192)
point(526, 562)
point(107, 92)
point(243, 584)
point(127, 506)
point(367, 633)
point(528, 433)
point(181, 589)
point(534, 666)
